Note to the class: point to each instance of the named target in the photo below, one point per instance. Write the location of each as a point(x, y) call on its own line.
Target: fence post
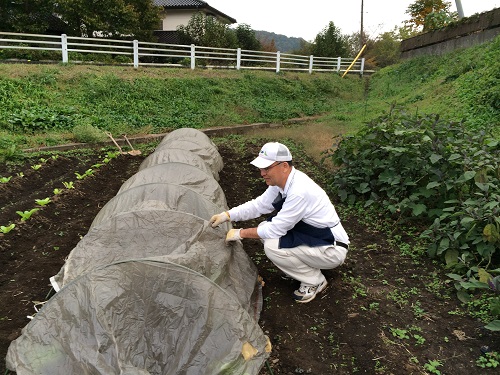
point(136, 53)
point(278, 54)
point(311, 64)
point(238, 58)
point(362, 68)
point(339, 60)
point(193, 57)
point(64, 48)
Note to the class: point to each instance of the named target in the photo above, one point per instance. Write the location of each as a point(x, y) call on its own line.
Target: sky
point(306, 19)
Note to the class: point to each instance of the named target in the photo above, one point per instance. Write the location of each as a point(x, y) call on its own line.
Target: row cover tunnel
point(152, 288)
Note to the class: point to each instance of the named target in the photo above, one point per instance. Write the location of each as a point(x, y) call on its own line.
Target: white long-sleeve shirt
point(305, 200)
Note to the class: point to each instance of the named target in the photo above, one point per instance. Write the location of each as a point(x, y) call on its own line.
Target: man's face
point(272, 173)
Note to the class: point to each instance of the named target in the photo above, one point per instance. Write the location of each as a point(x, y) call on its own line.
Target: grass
point(43, 105)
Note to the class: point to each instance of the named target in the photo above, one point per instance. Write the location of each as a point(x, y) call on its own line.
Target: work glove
point(233, 235)
point(218, 219)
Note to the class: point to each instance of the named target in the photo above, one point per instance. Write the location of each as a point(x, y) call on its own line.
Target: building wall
point(174, 18)
point(474, 30)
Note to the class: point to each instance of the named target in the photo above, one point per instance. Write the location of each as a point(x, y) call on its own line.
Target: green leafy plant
point(110, 156)
point(43, 202)
point(69, 185)
point(57, 191)
point(88, 133)
point(4, 180)
point(88, 172)
point(36, 167)
point(489, 360)
point(26, 215)
point(400, 333)
point(479, 279)
point(419, 339)
point(39, 118)
point(423, 168)
point(7, 229)
point(432, 367)
point(20, 174)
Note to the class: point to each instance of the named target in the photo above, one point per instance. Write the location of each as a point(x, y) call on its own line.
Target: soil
point(383, 312)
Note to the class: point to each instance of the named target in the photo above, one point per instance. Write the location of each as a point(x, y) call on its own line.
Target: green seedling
point(88, 172)
point(57, 191)
point(4, 180)
point(98, 165)
point(400, 333)
point(113, 154)
point(69, 185)
point(26, 214)
point(432, 366)
point(20, 174)
point(7, 229)
point(489, 360)
point(419, 339)
point(54, 157)
point(36, 167)
point(42, 160)
point(43, 202)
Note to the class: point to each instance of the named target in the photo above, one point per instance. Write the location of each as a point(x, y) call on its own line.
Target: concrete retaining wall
point(470, 31)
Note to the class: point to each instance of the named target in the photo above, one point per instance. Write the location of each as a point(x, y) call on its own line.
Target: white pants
point(304, 263)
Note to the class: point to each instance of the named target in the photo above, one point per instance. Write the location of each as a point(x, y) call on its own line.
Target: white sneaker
point(306, 293)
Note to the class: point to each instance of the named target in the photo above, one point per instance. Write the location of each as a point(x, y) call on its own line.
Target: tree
point(88, 18)
point(246, 38)
point(118, 18)
point(23, 16)
point(330, 43)
point(352, 43)
point(304, 49)
point(430, 14)
point(385, 49)
point(207, 31)
point(268, 45)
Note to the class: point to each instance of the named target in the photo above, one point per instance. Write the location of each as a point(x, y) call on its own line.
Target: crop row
point(42, 202)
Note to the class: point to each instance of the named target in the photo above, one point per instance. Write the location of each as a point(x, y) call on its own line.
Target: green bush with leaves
point(439, 172)
point(87, 133)
point(40, 119)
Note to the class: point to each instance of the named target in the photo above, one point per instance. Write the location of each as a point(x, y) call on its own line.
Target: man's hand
point(233, 235)
point(218, 219)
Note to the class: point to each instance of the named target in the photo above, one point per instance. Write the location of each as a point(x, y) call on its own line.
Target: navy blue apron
point(302, 233)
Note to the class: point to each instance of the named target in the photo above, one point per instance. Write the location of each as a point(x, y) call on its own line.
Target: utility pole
point(361, 37)
point(460, 11)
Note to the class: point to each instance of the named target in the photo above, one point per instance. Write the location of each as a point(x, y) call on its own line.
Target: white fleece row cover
point(152, 288)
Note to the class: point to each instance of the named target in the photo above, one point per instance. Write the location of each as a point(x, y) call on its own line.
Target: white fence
point(136, 53)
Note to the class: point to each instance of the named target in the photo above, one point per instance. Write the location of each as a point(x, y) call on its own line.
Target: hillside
point(44, 104)
point(283, 43)
point(461, 85)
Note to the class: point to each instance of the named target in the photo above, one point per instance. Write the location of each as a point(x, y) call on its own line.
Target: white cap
point(271, 152)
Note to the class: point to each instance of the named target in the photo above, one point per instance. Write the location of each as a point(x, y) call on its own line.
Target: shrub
point(87, 133)
point(29, 121)
point(420, 167)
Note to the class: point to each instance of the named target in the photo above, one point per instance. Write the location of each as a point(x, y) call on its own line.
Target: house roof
point(192, 4)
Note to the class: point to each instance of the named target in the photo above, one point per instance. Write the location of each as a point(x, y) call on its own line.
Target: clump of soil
point(383, 312)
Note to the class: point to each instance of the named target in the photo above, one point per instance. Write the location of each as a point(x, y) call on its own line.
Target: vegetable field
point(386, 310)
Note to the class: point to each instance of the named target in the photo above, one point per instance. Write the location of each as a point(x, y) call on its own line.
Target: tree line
point(137, 19)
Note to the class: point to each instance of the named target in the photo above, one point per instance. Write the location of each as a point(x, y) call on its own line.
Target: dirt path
point(383, 312)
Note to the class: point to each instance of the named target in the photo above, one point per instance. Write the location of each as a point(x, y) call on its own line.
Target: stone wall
point(468, 32)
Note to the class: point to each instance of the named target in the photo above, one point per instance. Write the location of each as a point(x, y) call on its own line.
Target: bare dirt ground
point(383, 312)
